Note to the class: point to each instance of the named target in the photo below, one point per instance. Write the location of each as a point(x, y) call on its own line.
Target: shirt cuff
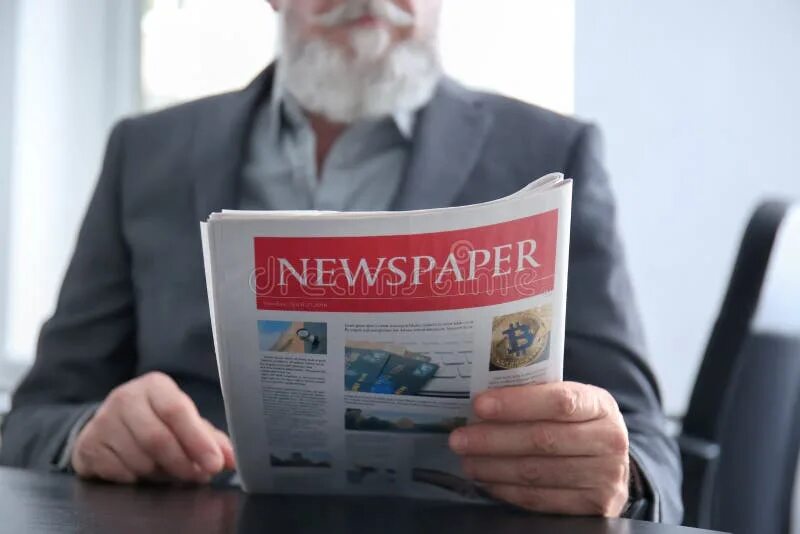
point(64, 461)
point(648, 499)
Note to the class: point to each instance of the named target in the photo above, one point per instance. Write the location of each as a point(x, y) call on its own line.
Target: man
point(357, 115)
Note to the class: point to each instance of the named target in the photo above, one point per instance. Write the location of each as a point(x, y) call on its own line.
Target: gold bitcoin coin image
point(520, 339)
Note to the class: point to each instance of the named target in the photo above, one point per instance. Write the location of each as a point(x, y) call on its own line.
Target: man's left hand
point(553, 448)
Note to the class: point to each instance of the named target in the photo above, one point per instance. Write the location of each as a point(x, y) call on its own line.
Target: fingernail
point(458, 441)
point(487, 407)
point(211, 462)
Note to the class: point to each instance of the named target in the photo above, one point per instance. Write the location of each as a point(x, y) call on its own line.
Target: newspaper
point(349, 345)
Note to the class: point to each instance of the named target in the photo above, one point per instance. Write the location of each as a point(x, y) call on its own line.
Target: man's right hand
point(148, 429)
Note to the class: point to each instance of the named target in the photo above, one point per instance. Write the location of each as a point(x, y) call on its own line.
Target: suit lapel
point(447, 144)
point(219, 146)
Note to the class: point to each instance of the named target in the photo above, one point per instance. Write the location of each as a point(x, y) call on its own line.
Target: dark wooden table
point(41, 502)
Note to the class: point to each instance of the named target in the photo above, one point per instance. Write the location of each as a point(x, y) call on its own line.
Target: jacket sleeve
point(88, 346)
point(604, 342)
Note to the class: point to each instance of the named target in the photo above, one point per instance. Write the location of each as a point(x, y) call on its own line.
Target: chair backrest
point(741, 433)
point(778, 309)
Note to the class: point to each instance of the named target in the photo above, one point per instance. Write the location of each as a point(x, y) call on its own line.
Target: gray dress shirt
point(362, 171)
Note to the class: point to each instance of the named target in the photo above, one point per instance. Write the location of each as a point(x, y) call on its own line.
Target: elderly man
point(356, 115)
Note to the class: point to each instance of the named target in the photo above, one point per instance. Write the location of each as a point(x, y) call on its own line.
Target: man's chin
point(380, 79)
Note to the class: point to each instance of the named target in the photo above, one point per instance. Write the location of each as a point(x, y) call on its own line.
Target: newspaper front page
point(350, 345)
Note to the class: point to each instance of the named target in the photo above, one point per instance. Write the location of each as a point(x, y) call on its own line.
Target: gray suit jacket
point(134, 296)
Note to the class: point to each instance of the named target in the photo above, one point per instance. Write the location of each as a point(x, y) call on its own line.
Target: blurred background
point(699, 106)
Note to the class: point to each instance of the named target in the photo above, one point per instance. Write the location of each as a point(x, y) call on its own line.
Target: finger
point(563, 501)
point(560, 401)
point(106, 465)
point(575, 472)
point(178, 412)
point(158, 441)
point(594, 438)
point(118, 437)
point(225, 445)
point(227, 450)
point(90, 457)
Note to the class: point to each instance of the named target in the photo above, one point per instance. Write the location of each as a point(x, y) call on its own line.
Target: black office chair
point(741, 433)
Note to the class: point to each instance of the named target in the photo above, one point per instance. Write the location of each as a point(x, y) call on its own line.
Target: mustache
point(352, 10)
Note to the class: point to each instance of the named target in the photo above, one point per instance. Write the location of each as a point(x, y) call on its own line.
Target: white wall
point(700, 104)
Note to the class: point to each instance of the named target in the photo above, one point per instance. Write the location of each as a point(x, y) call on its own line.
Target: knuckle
point(85, 435)
point(175, 408)
point(542, 439)
point(606, 494)
point(622, 498)
point(86, 454)
point(607, 510)
point(104, 413)
point(618, 442)
point(157, 379)
point(621, 492)
point(119, 398)
point(102, 423)
point(567, 400)
point(533, 499)
point(618, 473)
point(598, 503)
point(610, 400)
point(608, 404)
point(530, 471)
point(614, 500)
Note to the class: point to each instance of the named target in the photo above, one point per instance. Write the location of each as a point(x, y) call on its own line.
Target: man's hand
point(148, 429)
point(553, 448)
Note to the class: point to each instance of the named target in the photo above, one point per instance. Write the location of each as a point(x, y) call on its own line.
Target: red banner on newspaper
point(452, 270)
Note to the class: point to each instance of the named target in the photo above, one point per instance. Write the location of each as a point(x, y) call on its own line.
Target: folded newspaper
point(350, 344)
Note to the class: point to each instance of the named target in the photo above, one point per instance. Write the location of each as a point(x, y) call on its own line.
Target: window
point(68, 70)
point(192, 48)
point(521, 48)
point(108, 59)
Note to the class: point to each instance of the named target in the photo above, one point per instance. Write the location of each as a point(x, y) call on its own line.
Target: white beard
point(380, 80)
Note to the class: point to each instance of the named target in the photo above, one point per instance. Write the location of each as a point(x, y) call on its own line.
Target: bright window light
point(524, 49)
point(521, 48)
